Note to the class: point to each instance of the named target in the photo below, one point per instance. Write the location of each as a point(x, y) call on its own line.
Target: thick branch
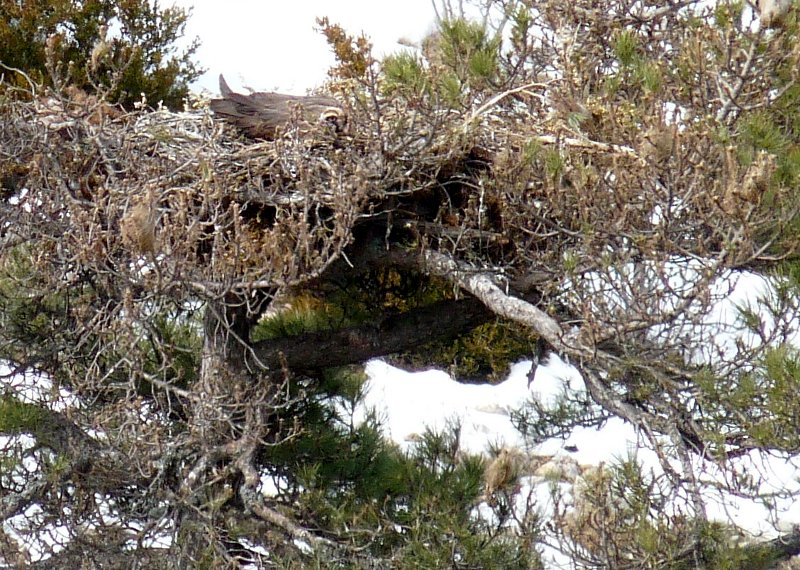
point(785, 546)
point(104, 550)
point(14, 503)
point(438, 321)
point(99, 468)
point(481, 285)
point(50, 428)
point(254, 502)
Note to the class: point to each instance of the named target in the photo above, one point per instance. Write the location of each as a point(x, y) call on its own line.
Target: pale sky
point(270, 45)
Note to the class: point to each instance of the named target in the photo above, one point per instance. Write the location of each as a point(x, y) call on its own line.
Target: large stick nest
point(504, 183)
point(109, 186)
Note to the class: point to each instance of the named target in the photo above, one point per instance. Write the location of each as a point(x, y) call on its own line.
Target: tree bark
point(442, 320)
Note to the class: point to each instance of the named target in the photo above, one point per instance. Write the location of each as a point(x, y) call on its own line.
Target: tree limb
point(438, 321)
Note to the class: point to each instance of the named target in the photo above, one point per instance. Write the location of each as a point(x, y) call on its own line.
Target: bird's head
point(336, 118)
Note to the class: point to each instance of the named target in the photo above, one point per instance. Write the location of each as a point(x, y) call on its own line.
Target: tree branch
point(483, 287)
point(438, 321)
point(51, 429)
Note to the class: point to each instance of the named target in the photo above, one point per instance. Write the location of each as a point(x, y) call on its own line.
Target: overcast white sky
point(270, 45)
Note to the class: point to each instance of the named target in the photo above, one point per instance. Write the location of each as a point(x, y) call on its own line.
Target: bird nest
point(200, 198)
point(193, 192)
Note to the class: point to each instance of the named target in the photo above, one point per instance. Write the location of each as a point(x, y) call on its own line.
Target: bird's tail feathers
point(224, 90)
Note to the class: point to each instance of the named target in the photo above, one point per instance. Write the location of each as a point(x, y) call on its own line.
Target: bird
point(773, 12)
point(264, 115)
point(138, 225)
point(503, 470)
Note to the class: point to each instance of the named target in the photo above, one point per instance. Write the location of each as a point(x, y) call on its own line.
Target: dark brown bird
point(265, 115)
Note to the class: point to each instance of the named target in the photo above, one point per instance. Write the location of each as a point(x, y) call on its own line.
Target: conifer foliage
point(122, 48)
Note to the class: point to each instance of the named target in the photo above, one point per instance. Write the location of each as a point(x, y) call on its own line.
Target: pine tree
point(185, 312)
point(65, 43)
